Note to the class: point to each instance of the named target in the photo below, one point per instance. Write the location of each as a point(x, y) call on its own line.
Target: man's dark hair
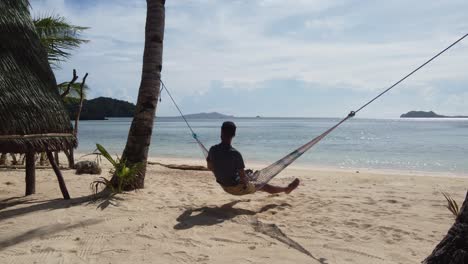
point(228, 129)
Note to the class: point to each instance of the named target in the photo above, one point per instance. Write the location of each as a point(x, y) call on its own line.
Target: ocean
point(406, 145)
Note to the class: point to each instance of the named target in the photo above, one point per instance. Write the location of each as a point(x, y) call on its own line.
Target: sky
point(295, 58)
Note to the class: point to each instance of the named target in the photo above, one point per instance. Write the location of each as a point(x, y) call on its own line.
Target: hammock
point(263, 176)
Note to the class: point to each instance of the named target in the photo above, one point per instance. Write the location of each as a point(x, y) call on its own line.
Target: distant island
point(103, 107)
point(100, 108)
point(212, 115)
point(430, 114)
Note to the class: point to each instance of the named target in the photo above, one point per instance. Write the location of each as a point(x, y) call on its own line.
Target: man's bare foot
point(293, 185)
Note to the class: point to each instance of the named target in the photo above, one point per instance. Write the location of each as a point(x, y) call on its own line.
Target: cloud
point(221, 47)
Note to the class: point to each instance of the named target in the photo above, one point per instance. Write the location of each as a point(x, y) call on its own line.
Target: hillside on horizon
point(100, 108)
point(428, 114)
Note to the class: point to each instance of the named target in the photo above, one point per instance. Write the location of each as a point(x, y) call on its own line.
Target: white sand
point(336, 216)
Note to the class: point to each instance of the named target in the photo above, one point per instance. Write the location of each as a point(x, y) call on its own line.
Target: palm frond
point(75, 90)
point(101, 181)
point(58, 37)
point(126, 174)
point(106, 155)
point(451, 204)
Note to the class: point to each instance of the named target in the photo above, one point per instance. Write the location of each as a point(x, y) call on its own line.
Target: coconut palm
point(58, 37)
point(139, 136)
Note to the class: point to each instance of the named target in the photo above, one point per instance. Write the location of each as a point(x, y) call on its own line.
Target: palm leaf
point(126, 174)
point(107, 155)
point(58, 37)
point(75, 90)
point(451, 204)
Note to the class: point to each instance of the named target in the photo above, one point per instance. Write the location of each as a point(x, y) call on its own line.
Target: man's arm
point(241, 166)
point(243, 178)
point(209, 165)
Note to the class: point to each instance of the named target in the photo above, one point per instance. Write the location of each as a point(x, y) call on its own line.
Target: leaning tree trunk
point(70, 153)
point(139, 136)
point(56, 157)
point(453, 249)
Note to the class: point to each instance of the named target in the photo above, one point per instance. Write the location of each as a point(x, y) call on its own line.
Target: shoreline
point(300, 168)
point(313, 168)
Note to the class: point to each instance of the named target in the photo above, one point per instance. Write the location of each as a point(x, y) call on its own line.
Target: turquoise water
point(426, 145)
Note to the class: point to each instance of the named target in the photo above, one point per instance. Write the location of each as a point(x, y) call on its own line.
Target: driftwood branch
point(73, 80)
point(180, 167)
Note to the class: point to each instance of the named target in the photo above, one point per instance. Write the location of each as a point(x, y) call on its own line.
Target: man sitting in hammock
point(228, 167)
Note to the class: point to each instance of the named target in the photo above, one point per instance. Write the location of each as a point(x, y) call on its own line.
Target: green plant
point(58, 37)
point(451, 204)
point(73, 95)
point(125, 174)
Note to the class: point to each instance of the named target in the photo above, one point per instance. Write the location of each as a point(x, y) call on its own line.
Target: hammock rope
point(194, 135)
point(263, 176)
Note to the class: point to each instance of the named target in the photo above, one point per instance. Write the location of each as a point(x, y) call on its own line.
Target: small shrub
point(125, 174)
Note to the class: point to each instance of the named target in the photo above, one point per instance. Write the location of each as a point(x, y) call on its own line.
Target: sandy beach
point(185, 217)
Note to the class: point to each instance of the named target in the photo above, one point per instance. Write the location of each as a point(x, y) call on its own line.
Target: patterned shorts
point(240, 189)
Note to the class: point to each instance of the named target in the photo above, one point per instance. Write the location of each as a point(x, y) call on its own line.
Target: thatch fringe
point(39, 144)
point(29, 99)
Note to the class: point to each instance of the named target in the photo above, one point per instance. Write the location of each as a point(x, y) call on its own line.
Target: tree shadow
point(208, 216)
point(13, 201)
point(103, 199)
point(42, 231)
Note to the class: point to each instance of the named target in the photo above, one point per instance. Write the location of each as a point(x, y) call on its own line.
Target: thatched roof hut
point(32, 115)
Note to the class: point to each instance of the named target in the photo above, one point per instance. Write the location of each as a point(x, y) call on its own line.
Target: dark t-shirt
point(227, 162)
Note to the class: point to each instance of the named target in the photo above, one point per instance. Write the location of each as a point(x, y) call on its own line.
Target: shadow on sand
point(207, 216)
point(102, 199)
point(43, 231)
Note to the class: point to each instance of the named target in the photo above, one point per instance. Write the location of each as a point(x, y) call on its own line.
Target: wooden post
point(3, 159)
point(30, 173)
point(70, 157)
point(63, 187)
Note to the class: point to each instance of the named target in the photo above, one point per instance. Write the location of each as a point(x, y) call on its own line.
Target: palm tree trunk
point(139, 136)
point(453, 249)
